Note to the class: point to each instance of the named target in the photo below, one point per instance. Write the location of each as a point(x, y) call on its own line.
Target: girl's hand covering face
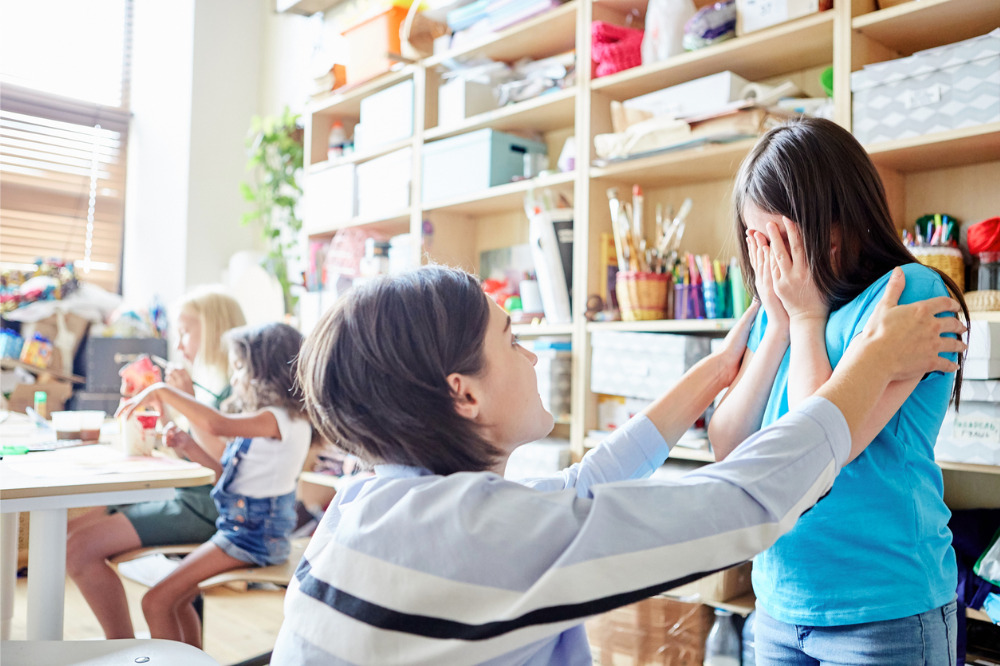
point(790, 275)
point(760, 260)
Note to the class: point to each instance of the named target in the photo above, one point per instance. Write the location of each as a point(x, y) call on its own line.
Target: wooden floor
point(238, 624)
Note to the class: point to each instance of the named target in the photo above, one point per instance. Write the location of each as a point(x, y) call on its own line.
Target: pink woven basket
point(614, 48)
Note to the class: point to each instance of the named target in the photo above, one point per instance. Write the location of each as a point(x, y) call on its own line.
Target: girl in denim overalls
point(255, 490)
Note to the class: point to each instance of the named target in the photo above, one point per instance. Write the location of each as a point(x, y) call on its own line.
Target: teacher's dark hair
point(374, 370)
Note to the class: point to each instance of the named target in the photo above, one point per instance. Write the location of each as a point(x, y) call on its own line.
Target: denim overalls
point(251, 529)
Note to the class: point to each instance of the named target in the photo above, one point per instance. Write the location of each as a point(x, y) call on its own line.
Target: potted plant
point(275, 159)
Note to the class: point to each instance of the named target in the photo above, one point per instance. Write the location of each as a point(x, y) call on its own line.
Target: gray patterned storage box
point(944, 88)
point(642, 365)
point(972, 435)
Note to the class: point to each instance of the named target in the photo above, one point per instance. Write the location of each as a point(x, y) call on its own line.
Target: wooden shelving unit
point(923, 173)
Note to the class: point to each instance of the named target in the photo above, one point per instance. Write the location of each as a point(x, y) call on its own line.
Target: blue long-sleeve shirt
point(412, 568)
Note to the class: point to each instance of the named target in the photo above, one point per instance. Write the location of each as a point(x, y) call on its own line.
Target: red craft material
point(984, 236)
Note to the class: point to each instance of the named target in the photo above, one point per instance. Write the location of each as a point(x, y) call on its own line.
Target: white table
point(46, 485)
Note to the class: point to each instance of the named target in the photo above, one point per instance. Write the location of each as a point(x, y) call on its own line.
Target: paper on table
point(87, 460)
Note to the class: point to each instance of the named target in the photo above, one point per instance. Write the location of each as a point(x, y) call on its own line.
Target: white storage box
point(384, 184)
point(973, 434)
point(387, 117)
point(982, 360)
point(542, 458)
point(759, 14)
point(642, 365)
point(555, 371)
point(945, 88)
point(704, 95)
point(329, 198)
point(459, 99)
point(473, 162)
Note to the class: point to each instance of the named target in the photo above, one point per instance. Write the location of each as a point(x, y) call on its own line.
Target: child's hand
point(760, 261)
point(127, 408)
point(793, 282)
point(907, 339)
point(180, 379)
point(178, 440)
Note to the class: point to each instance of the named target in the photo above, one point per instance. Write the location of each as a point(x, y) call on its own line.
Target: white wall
point(201, 70)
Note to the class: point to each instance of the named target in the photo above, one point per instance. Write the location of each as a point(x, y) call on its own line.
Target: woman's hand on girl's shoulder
point(791, 276)
point(760, 260)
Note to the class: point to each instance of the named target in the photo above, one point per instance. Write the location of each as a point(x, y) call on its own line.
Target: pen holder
point(642, 296)
point(948, 260)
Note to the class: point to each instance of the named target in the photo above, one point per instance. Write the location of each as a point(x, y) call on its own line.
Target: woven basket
point(642, 296)
point(987, 300)
point(949, 260)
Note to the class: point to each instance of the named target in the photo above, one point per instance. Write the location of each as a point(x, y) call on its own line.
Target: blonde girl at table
point(203, 316)
point(256, 474)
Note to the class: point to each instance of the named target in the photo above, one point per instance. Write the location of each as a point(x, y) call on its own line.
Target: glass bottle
point(722, 648)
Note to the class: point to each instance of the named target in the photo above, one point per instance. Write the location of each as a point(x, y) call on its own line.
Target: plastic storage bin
point(472, 162)
point(642, 365)
point(940, 89)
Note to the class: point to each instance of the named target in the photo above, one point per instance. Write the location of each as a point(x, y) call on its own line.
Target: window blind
point(62, 178)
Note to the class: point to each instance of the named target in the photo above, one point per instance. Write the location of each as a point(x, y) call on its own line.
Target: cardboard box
point(329, 198)
point(720, 586)
point(653, 631)
point(642, 365)
point(387, 117)
point(372, 45)
point(384, 184)
point(23, 395)
point(982, 360)
point(459, 99)
point(700, 96)
point(754, 15)
point(944, 88)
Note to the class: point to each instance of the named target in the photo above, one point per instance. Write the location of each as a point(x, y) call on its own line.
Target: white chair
point(123, 652)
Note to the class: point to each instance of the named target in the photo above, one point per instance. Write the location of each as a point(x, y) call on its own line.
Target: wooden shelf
point(691, 165)
point(8, 363)
point(915, 26)
point(969, 145)
point(305, 7)
point(501, 198)
point(977, 614)
point(541, 36)
point(665, 326)
point(390, 225)
point(537, 330)
point(697, 455)
point(968, 467)
point(358, 158)
point(347, 103)
point(789, 47)
point(542, 114)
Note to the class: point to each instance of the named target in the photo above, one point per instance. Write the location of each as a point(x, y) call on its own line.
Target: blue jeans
point(926, 639)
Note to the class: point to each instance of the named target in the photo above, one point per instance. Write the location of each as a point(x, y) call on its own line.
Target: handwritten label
point(976, 428)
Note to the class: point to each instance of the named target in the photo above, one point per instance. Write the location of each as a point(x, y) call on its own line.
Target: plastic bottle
point(42, 404)
point(722, 648)
point(748, 654)
point(336, 141)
